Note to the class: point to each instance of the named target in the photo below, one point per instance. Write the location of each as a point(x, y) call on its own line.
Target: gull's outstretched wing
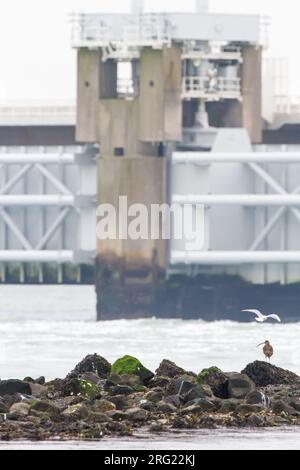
point(275, 317)
point(257, 313)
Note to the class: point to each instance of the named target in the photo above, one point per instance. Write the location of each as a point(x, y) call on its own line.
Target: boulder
point(216, 379)
point(245, 409)
point(121, 390)
point(229, 406)
point(70, 387)
point(79, 411)
point(91, 378)
point(129, 365)
point(38, 391)
point(164, 407)
point(174, 400)
point(257, 398)
point(194, 393)
point(180, 386)
point(147, 405)
point(280, 406)
point(263, 374)
point(19, 411)
point(154, 395)
point(121, 401)
point(89, 390)
point(3, 407)
point(255, 421)
point(40, 380)
point(239, 385)
point(130, 380)
point(159, 381)
point(44, 407)
point(104, 405)
point(294, 403)
point(136, 415)
point(204, 404)
point(10, 387)
point(91, 363)
point(170, 369)
point(116, 415)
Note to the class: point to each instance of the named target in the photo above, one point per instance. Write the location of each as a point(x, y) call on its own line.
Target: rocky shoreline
point(98, 399)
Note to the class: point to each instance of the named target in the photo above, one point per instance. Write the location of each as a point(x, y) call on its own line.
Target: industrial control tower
point(150, 84)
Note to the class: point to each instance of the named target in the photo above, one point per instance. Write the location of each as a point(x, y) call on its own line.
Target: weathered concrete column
point(128, 270)
point(252, 92)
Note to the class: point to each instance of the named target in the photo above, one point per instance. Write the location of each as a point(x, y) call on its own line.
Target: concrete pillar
point(251, 89)
point(87, 95)
point(160, 95)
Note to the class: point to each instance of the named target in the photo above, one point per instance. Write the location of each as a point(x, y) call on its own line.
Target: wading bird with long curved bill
point(267, 349)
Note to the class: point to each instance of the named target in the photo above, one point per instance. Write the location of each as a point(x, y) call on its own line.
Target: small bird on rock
point(267, 349)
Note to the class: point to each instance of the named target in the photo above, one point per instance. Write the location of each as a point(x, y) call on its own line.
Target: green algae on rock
point(129, 365)
point(216, 379)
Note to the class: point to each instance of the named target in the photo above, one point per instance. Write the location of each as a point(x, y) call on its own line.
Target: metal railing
point(126, 88)
point(137, 30)
point(216, 88)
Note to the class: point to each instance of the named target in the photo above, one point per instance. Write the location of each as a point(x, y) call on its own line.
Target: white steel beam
point(251, 200)
point(13, 227)
point(225, 258)
point(34, 158)
point(33, 256)
point(11, 200)
point(52, 178)
point(228, 157)
point(56, 224)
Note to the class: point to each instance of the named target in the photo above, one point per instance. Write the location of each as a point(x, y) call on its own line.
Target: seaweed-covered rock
point(216, 379)
point(264, 374)
point(89, 390)
point(170, 369)
point(91, 363)
point(46, 407)
point(10, 387)
point(239, 385)
point(129, 365)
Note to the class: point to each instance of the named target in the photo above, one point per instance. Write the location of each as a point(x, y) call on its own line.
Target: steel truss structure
point(276, 195)
point(46, 199)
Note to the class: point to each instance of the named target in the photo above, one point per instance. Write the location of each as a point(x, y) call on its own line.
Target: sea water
point(46, 330)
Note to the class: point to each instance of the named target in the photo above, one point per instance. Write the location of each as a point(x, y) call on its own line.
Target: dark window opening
point(119, 152)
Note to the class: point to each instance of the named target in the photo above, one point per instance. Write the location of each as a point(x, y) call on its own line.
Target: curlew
point(267, 349)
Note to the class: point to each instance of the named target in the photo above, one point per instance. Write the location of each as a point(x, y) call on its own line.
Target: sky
point(38, 63)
